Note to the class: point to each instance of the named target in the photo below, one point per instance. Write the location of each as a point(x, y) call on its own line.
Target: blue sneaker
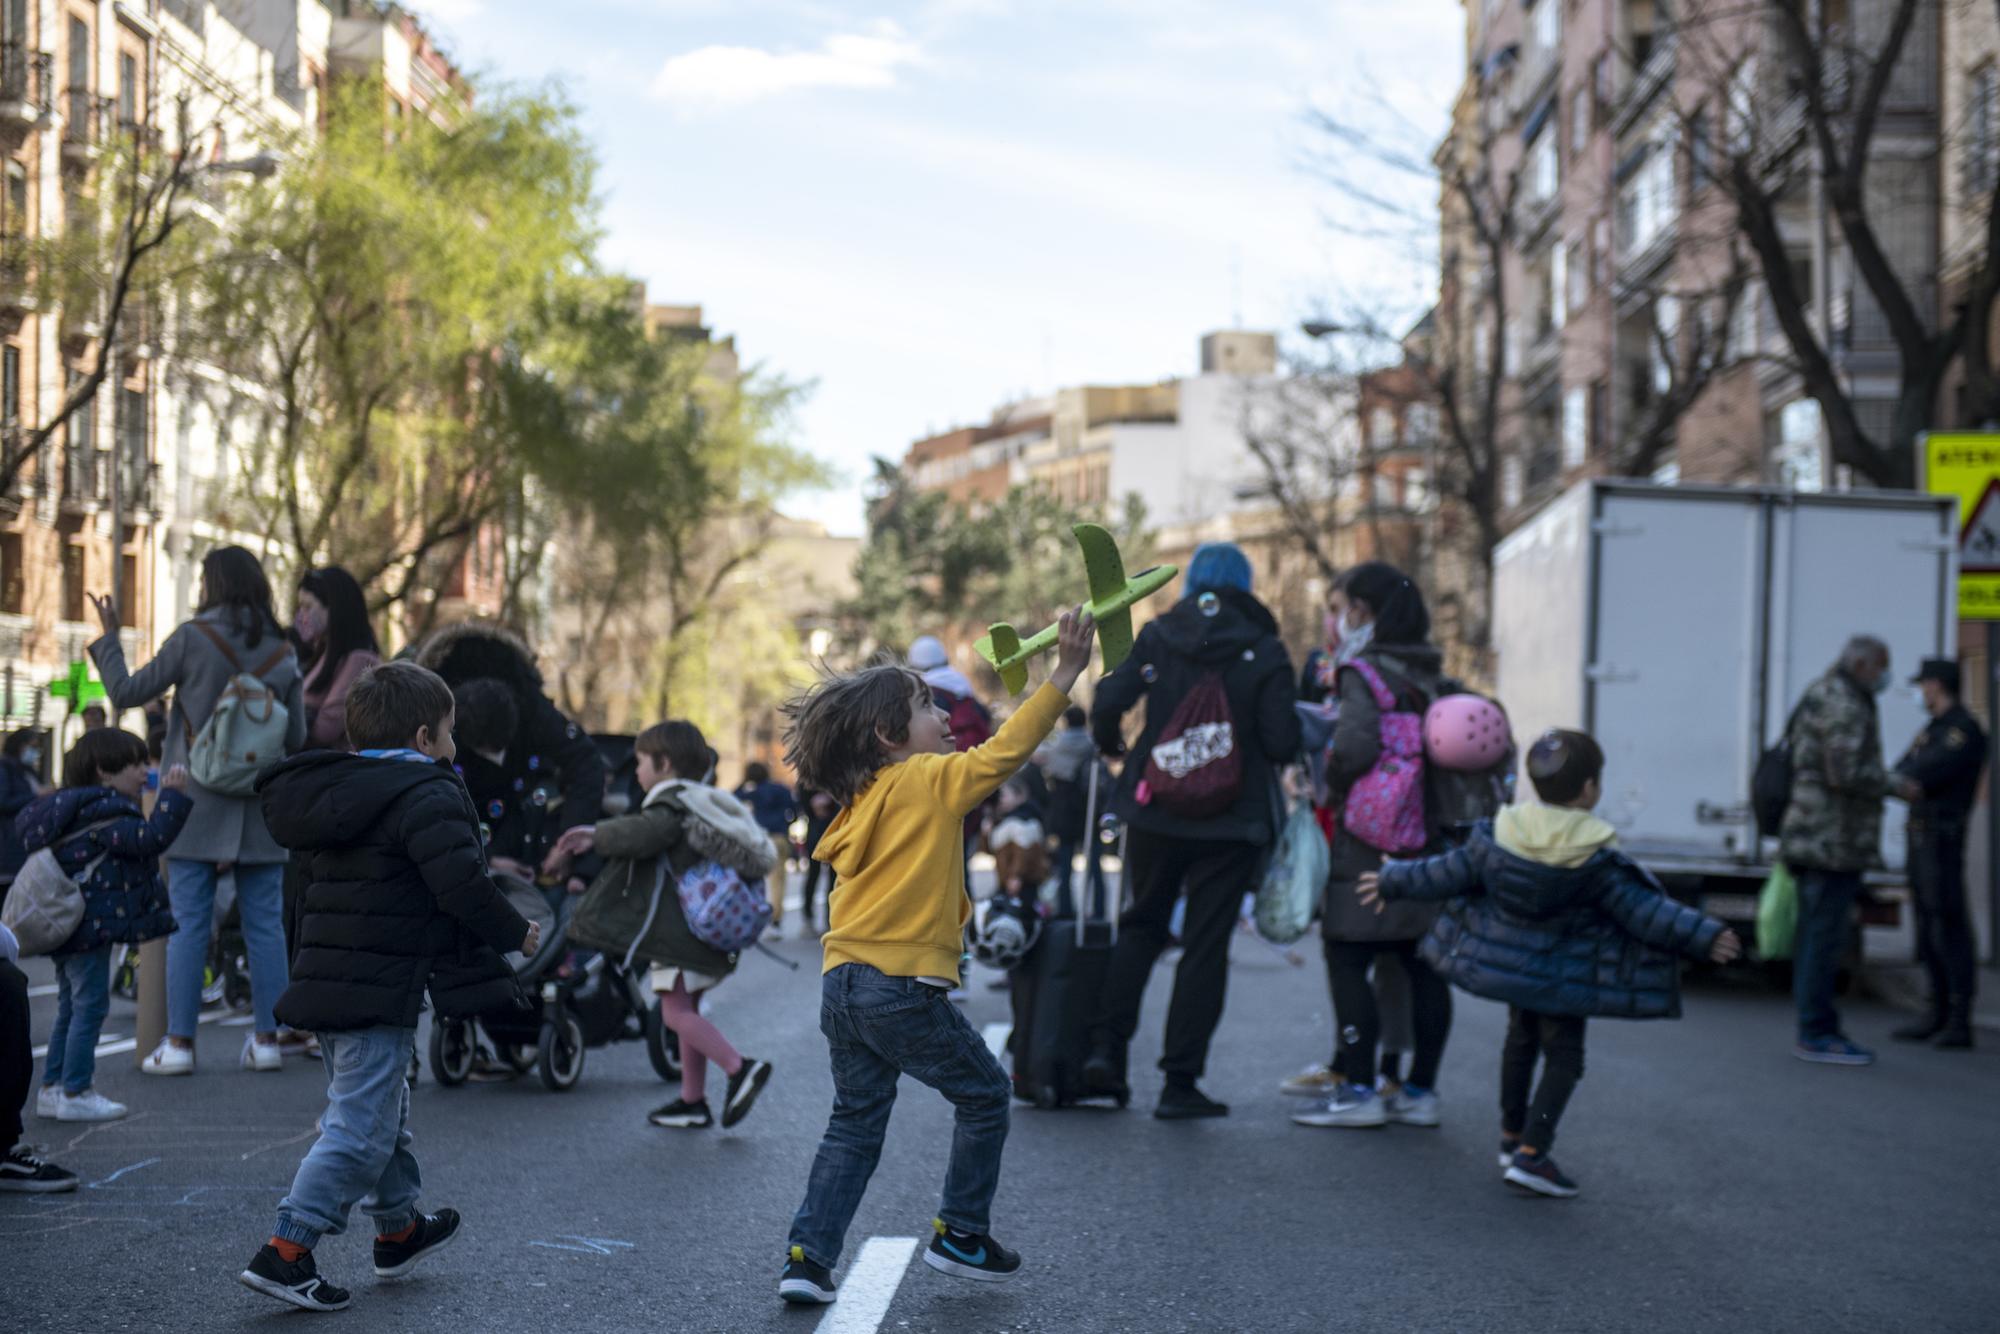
point(1353, 1106)
point(968, 1255)
point(1833, 1051)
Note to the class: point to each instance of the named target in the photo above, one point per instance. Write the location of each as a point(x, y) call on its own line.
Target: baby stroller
point(557, 1016)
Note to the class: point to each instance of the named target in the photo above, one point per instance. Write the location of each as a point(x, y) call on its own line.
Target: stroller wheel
point(663, 1047)
point(562, 1053)
point(452, 1050)
point(521, 1055)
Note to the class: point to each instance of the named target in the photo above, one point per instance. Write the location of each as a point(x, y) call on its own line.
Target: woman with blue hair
point(1199, 799)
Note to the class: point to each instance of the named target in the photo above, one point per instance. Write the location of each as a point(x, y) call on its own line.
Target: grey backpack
point(45, 905)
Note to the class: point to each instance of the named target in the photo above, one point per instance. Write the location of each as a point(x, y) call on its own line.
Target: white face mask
point(1353, 639)
point(31, 756)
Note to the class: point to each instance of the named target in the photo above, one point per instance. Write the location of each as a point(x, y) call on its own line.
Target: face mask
point(1354, 639)
point(310, 623)
point(31, 756)
point(1881, 685)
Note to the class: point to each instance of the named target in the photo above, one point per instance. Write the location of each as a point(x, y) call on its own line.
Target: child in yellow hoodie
point(875, 741)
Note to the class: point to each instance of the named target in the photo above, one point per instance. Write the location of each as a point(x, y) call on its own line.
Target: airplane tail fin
point(1001, 648)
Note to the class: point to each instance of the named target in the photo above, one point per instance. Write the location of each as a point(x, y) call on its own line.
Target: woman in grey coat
point(223, 833)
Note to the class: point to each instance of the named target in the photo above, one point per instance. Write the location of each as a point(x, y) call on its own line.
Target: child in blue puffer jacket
point(1560, 925)
point(108, 846)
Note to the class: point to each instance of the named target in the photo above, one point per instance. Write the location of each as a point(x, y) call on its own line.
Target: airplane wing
point(1101, 562)
point(1002, 648)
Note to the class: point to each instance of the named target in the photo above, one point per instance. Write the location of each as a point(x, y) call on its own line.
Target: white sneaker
point(1348, 1107)
point(47, 1099)
point(262, 1055)
point(167, 1059)
point(1414, 1109)
point(1315, 1081)
point(89, 1105)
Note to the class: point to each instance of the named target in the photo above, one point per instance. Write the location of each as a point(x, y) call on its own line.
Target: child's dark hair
point(756, 772)
point(390, 701)
point(1561, 764)
point(830, 731)
point(487, 714)
point(99, 754)
point(1074, 716)
point(681, 744)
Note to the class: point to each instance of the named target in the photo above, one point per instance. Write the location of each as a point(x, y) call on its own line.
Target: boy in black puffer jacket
point(398, 901)
point(1559, 925)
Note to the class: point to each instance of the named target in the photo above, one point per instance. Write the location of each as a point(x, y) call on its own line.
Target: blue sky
point(929, 208)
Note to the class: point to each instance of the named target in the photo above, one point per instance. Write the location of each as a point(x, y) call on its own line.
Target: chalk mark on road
point(870, 1286)
point(129, 1167)
point(586, 1245)
point(996, 1038)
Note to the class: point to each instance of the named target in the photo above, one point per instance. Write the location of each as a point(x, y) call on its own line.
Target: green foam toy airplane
point(1111, 599)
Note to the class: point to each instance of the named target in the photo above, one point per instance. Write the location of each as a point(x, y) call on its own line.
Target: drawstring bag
point(1385, 808)
point(1195, 769)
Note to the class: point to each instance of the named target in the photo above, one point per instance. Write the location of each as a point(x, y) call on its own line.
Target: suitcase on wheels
point(1056, 991)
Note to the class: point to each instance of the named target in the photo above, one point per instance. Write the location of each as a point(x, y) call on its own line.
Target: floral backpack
point(1385, 807)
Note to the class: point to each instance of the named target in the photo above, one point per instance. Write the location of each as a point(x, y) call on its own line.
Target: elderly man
point(1939, 777)
point(1832, 832)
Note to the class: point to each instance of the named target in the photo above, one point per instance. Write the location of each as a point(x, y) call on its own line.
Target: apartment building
point(1597, 130)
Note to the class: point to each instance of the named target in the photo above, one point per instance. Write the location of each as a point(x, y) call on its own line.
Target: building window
point(128, 591)
point(1701, 151)
point(1546, 24)
point(72, 581)
point(1420, 423)
point(1646, 203)
point(1740, 114)
point(16, 223)
point(1665, 335)
point(1576, 426)
point(1579, 120)
point(1558, 281)
point(1600, 253)
point(78, 108)
point(1982, 132)
point(1544, 166)
point(1510, 482)
point(10, 387)
point(1576, 270)
point(1600, 418)
point(1381, 428)
point(128, 89)
point(13, 580)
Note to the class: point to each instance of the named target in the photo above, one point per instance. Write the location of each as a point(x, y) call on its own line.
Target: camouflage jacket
point(1834, 821)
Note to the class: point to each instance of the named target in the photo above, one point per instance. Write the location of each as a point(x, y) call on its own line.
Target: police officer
point(1938, 777)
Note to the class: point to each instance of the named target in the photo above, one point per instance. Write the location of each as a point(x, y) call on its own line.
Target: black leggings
point(17, 1061)
point(1359, 1022)
point(1558, 1040)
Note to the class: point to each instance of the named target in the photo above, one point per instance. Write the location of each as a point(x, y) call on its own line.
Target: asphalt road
point(1726, 1187)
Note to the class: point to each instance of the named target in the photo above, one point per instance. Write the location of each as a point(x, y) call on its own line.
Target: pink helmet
point(1467, 733)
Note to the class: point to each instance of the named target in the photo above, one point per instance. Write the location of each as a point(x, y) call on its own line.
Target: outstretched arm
point(1448, 875)
point(970, 777)
point(1642, 909)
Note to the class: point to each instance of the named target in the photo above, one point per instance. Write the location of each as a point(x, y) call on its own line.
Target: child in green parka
point(674, 763)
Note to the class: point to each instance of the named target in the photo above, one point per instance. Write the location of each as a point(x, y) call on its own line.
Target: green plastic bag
point(1777, 913)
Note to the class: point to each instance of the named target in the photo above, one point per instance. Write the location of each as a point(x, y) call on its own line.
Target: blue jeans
point(363, 1150)
point(260, 902)
point(878, 1027)
point(83, 998)
point(1826, 907)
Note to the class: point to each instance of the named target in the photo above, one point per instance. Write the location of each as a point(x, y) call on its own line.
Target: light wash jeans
point(260, 902)
point(363, 1150)
point(83, 998)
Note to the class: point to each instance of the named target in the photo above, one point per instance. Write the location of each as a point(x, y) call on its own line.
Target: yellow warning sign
point(1967, 465)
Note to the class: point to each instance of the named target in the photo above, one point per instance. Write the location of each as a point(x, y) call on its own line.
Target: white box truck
point(1680, 624)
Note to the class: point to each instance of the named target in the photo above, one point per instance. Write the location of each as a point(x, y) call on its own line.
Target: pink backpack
point(1385, 808)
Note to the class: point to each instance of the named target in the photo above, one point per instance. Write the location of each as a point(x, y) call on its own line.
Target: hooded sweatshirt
point(1552, 835)
point(899, 853)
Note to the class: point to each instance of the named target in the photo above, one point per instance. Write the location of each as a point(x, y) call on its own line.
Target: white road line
point(49, 990)
point(996, 1039)
point(117, 1046)
point(869, 1286)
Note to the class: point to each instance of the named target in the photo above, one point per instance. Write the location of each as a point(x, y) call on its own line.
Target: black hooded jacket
point(1239, 639)
point(397, 898)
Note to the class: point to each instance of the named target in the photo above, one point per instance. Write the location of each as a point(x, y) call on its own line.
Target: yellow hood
point(1552, 835)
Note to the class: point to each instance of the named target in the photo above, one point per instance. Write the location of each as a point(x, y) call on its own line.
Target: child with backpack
point(880, 745)
point(1561, 926)
point(686, 837)
point(98, 838)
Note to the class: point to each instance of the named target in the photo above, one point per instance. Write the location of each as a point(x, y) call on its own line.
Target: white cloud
point(718, 77)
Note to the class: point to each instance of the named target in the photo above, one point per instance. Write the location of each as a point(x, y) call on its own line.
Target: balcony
point(1655, 60)
point(24, 85)
point(17, 284)
point(85, 478)
point(15, 631)
point(87, 121)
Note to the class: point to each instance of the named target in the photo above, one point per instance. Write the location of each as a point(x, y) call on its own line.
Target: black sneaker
point(23, 1171)
point(744, 1086)
point(964, 1255)
point(804, 1283)
point(1187, 1104)
point(294, 1282)
point(393, 1259)
point(682, 1115)
point(1538, 1173)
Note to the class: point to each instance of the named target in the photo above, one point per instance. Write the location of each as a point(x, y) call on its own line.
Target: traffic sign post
point(1966, 465)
